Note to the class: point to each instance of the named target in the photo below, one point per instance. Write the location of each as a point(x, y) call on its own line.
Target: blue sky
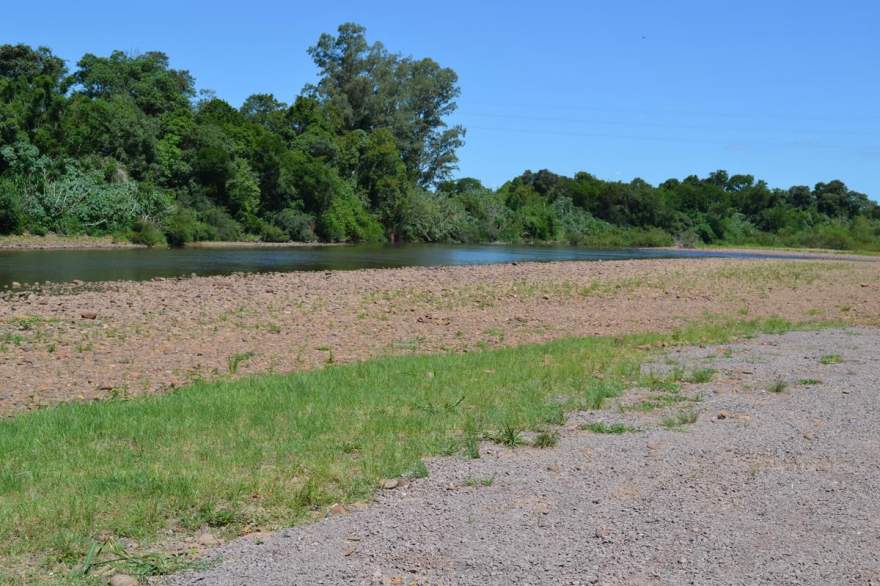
point(786, 90)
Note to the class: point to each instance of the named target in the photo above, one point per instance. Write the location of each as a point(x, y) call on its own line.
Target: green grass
point(831, 359)
point(701, 376)
point(546, 439)
point(273, 450)
point(777, 386)
point(680, 419)
point(612, 428)
point(809, 381)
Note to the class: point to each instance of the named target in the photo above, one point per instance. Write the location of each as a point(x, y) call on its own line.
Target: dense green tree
point(370, 88)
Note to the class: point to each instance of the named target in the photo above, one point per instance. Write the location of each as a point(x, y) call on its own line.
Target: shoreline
point(98, 340)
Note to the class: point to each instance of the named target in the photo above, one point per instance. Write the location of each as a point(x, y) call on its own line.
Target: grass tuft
point(831, 359)
point(546, 439)
point(680, 419)
point(777, 386)
point(702, 376)
point(613, 428)
point(234, 361)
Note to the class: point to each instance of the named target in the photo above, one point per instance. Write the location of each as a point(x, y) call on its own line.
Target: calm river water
point(31, 266)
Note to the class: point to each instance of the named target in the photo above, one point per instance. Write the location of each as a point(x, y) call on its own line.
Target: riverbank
point(56, 242)
point(86, 341)
point(148, 486)
point(763, 488)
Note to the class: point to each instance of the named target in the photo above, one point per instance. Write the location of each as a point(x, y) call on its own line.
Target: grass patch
point(831, 359)
point(613, 428)
point(680, 419)
point(701, 376)
point(234, 361)
point(268, 451)
point(477, 482)
point(809, 382)
point(777, 386)
point(546, 439)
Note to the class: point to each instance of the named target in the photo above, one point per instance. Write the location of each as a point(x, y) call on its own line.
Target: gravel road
point(764, 488)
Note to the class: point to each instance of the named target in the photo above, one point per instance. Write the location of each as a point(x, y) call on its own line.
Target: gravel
point(765, 488)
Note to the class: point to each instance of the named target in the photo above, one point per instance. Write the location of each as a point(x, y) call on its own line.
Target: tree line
point(126, 145)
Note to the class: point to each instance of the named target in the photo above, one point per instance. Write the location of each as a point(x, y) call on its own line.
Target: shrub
point(347, 219)
point(12, 216)
point(431, 217)
point(271, 233)
point(181, 226)
point(147, 233)
point(219, 225)
point(296, 224)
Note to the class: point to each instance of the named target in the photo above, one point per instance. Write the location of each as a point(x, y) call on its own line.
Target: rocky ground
point(84, 341)
point(774, 482)
point(55, 242)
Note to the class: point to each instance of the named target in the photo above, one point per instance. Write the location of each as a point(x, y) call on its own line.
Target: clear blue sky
point(786, 90)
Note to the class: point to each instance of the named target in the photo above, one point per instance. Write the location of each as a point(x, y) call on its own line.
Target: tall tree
point(371, 88)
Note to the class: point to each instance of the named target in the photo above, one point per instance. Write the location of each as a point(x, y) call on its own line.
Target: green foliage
point(347, 219)
point(296, 224)
point(182, 226)
point(12, 217)
point(364, 154)
point(147, 233)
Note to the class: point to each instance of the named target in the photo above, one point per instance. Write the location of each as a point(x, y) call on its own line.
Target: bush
point(347, 219)
point(81, 201)
point(271, 233)
point(12, 218)
point(431, 217)
point(181, 226)
point(219, 225)
point(147, 233)
point(298, 225)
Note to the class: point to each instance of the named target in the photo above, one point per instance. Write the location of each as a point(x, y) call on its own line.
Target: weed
point(809, 381)
point(546, 439)
point(680, 419)
point(777, 386)
point(508, 436)
point(831, 359)
point(471, 438)
point(702, 376)
point(475, 482)
point(419, 470)
point(613, 428)
point(234, 361)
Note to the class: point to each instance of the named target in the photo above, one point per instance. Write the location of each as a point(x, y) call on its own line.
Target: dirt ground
point(90, 341)
point(773, 480)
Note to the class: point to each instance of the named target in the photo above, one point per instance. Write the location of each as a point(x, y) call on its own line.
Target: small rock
point(16, 284)
point(337, 509)
point(603, 533)
point(722, 415)
point(123, 580)
point(808, 436)
point(348, 551)
point(389, 483)
point(553, 468)
point(89, 315)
